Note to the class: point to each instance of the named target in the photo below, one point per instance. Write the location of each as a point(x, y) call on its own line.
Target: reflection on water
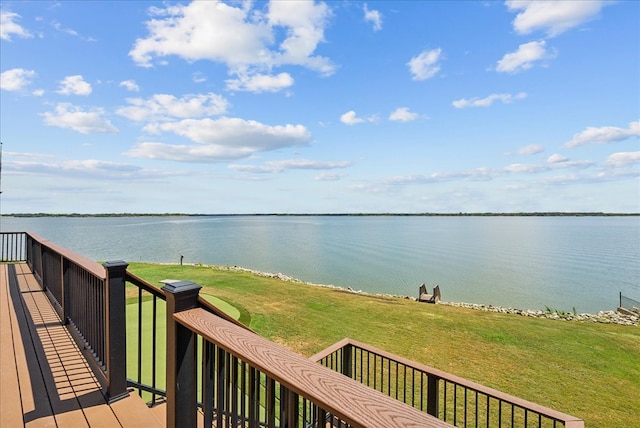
point(525, 262)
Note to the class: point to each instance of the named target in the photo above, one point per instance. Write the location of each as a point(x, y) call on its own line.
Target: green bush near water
point(584, 369)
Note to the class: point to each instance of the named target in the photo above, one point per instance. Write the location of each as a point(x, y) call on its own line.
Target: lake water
point(522, 262)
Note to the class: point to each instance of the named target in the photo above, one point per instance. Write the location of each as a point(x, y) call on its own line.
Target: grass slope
point(588, 370)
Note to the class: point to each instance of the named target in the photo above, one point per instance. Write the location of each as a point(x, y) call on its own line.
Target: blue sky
point(320, 107)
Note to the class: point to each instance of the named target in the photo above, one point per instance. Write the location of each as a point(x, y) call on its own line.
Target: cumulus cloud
point(524, 58)
point(130, 85)
point(16, 79)
point(488, 101)
point(74, 85)
point(351, 118)
point(260, 82)
point(9, 26)
point(374, 17)
point(220, 140)
point(247, 39)
point(622, 159)
point(165, 107)
point(553, 17)
point(604, 135)
point(283, 165)
point(402, 114)
point(425, 65)
point(68, 116)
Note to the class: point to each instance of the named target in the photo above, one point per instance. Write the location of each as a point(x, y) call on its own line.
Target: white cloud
point(329, 176)
point(553, 17)
point(283, 165)
point(351, 118)
point(604, 135)
point(74, 85)
point(246, 40)
point(623, 159)
point(555, 162)
point(165, 107)
point(86, 169)
point(488, 101)
point(131, 85)
point(15, 79)
point(402, 114)
point(373, 16)
point(524, 58)
point(260, 82)
point(531, 149)
point(304, 23)
point(68, 116)
point(556, 158)
point(425, 65)
point(198, 77)
point(9, 26)
point(58, 26)
point(220, 140)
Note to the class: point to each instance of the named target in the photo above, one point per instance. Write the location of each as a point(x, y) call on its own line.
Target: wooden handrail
point(347, 399)
point(568, 420)
point(89, 265)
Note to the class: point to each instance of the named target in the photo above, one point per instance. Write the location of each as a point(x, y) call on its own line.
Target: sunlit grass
point(584, 369)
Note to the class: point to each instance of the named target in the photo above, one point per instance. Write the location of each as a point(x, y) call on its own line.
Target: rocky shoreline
point(604, 317)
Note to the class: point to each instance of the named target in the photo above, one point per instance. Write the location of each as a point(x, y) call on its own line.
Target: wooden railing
point(13, 246)
point(218, 372)
point(249, 381)
point(146, 317)
point(448, 397)
point(89, 297)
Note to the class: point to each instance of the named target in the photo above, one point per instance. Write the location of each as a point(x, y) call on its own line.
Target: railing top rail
point(91, 266)
point(146, 286)
point(494, 393)
point(345, 398)
point(210, 307)
point(158, 292)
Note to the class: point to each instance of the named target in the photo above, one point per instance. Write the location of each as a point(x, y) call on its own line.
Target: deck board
point(45, 379)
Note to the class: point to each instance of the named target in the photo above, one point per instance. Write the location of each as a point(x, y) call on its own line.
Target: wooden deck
point(45, 380)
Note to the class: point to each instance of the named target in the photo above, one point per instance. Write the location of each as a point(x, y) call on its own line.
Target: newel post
point(347, 359)
point(116, 330)
point(181, 355)
point(433, 395)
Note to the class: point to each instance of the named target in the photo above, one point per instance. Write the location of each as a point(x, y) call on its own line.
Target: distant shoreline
point(427, 214)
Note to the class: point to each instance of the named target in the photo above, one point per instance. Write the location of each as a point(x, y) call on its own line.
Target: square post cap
point(175, 286)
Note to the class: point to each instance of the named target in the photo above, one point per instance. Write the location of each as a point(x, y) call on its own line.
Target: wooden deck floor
point(44, 379)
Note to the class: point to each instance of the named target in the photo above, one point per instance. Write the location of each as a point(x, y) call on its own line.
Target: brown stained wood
point(10, 403)
point(46, 334)
point(133, 412)
point(89, 265)
point(45, 380)
point(159, 410)
point(36, 408)
point(28, 282)
point(353, 402)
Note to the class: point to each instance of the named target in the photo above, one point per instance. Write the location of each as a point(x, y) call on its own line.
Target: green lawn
point(588, 370)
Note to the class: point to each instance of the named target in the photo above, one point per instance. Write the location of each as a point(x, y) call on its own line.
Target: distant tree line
point(427, 214)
